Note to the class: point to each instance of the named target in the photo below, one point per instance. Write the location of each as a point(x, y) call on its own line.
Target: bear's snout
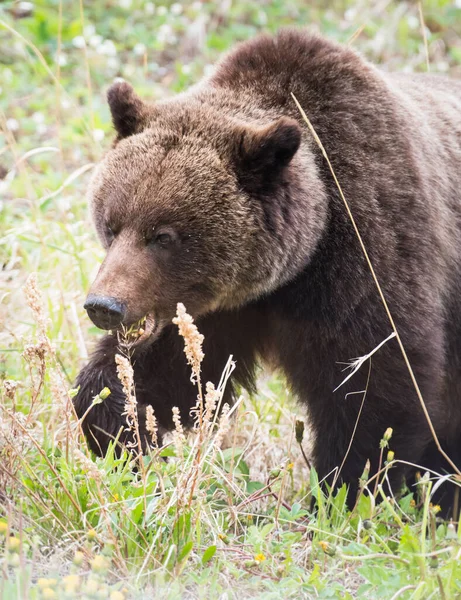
point(104, 311)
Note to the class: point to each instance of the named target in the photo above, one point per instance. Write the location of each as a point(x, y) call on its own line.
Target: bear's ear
point(264, 153)
point(128, 111)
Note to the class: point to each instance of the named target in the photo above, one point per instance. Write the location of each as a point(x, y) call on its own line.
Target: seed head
point(193, 340)
point(151, 425)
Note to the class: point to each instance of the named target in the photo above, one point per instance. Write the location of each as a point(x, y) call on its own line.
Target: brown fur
point(263, 253)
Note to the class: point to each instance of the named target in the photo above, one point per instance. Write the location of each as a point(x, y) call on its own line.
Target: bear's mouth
point(139, 333)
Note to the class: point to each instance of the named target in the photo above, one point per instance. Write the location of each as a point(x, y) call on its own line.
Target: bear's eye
point(110, 234)
point(164, 238)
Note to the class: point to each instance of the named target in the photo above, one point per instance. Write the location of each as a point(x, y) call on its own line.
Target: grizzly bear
point(221, 199)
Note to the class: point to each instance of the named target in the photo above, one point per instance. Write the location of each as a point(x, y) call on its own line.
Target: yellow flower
point(259, 557)
point(92, 535)
point(328, 548)
point(388, 434)
point(71, 582)
point(79, 557)
point(116, 595)
point(3, 527)
point(13, 544)
point(49, 594)
point(99, 564)
point(290, 466)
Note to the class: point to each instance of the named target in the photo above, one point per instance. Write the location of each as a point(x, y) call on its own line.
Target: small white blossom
point(113, 63)
point(25, 7)
point(79, 41)
point(89, 30)
point(413, 21)
point(149, 8)
point(165, 32)
point(107, 47)
point(186, 69)
point(125, 3)
point(98, 135)
point(12, 124)
point(95, 40)
point(62, 60)
point(162, 11)
point(139, 49)
point(176, 8)
point(38, 117)
point(208, 70)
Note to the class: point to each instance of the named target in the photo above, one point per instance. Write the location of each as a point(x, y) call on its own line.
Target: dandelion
point(71, 583)
point(14, 544)
point(151, 425)
point(99, 564)
point(328, 548)
point(193, 340)
point(259, 558)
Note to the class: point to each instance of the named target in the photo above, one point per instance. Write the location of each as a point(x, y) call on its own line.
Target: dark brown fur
point(264, 254)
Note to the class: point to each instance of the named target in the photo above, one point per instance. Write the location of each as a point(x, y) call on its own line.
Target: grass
point(228, 514)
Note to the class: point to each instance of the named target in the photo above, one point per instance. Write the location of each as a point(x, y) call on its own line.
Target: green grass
point(211, 521)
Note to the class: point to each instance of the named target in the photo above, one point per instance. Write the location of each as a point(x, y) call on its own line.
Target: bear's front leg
point(162, 376)
point(104, 421)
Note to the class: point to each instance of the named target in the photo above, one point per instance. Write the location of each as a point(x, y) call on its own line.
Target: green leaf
point(186, 550)
point(208, 554)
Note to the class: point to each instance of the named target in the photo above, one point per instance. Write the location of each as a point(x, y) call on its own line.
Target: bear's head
point(196, 206)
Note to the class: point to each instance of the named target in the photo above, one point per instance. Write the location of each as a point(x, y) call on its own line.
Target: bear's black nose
point(105, 312)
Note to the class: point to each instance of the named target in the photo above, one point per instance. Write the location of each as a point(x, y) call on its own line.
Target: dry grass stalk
point(87, 465)
point(9, 389)
point(223, 427)
point(151, 425)
point(212, 399)
point(34, 300)
point(178, 434)
point(125, 375)
point(193, 341)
